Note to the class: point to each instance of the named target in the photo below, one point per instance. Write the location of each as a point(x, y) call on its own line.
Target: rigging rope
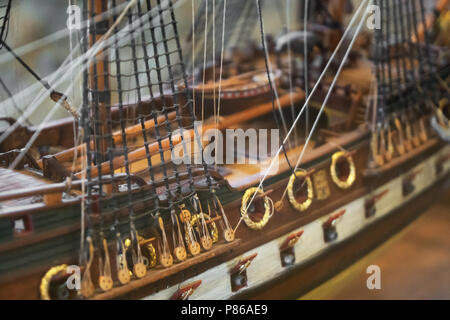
point(222, 50)
point(85, 60)
point(305, 64)
point(346, 32)
point(341, 66)
point(274, 95)
point(291, 85)
point(204, 61)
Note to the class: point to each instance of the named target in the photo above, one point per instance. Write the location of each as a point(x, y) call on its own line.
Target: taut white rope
point(341, 66)
point(221, 70)
point(356, 14)
point(305, 61)
point(204, 61)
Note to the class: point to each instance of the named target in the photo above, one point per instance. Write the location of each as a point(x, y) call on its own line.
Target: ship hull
point(316, 260)
point(213, 267)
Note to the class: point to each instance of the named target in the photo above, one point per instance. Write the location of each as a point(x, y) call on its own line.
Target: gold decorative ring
point(268, 209)
point(350, 179)
point(47, 278)
point(305, 204)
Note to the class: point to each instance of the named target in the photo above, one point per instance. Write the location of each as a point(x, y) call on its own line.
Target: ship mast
point(98, 84)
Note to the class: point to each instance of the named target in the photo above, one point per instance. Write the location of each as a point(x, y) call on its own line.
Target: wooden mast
point(99, 78)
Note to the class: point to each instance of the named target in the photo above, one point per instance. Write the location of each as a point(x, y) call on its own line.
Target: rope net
point(135, 112)
point(405, 64)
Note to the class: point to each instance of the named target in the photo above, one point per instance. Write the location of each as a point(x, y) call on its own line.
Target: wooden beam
point(132, 131)
point(240, 117)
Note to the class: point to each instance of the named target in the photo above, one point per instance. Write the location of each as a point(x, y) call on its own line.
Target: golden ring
point(267, 212)
point(343, 184)
point(290, 188)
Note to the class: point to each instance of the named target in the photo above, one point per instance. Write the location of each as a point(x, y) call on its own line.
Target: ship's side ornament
point(439, 164)
point(298, 199)
point(321, 186)
point(342, 169)
point(185, 292)
point(148, 251)
point(287, 252)
point(238, 275)
point(47, 278)
point(370, 204)
point(440, 123)
point(330, 233)
point(408, 185)
point(256, 208)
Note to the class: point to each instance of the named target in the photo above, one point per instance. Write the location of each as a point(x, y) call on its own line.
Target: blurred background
point(39, 35)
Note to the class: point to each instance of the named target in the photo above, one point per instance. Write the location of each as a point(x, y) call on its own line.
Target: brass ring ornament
point(291, 194)
point(47, 278)
point(268, 209)
point(347, 181)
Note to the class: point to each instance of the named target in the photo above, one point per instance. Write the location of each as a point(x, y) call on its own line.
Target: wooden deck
point(17, 180)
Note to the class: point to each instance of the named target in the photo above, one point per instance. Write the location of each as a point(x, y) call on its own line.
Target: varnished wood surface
point(415, 264)
point(11, 180)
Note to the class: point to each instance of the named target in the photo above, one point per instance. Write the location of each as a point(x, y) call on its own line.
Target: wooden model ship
point(359, 119)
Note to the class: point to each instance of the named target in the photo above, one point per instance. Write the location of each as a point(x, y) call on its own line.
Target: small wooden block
point(105, 283)
point(194, 248)
point(87, 289)
point(139, 270)
point(206, 242)
point(228, 235)
point(166, 260)
point(180, 253)
point(124, 276)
